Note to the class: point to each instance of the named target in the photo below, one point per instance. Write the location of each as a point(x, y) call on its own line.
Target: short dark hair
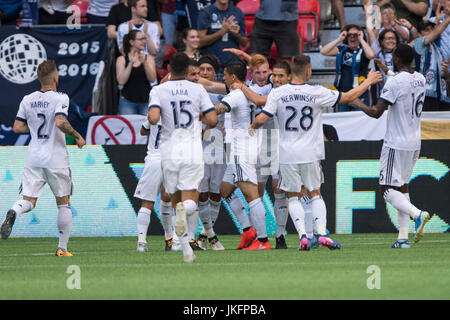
point(212, 60)
point(388, 6)
point(300, 63)
point(281, 64)
point(424, 24)
point(179, 63)
point(405, 54)
point(45, 71)
point(193, 63)
point(239, 69)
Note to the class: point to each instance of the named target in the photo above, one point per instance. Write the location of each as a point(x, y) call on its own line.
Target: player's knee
point(190, 206)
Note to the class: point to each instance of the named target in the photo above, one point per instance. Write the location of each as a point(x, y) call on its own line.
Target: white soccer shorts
point(240, 172)
point(180, 175)
point(212, 178)
point(151, 181)
point(35, 178)
point(293, 176)
point(396, 166)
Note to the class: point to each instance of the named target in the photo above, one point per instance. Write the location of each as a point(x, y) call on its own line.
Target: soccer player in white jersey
point(213, 153)
point(242, 169)
point(148, 187)
point(179, 103)
point(301, 148)
point(404, 95)
point(43, 114)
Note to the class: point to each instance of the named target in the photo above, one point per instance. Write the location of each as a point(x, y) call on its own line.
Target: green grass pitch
point(110, 268)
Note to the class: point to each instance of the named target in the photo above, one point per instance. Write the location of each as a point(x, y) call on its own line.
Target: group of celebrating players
point(207, 138)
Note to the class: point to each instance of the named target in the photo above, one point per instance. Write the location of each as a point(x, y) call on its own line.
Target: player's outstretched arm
point(21, 126)
point(250, 94)
point(213, 86)
point(257, 123)
point(63, 124)
point(375, 111)
point(372, 78)
point(239, 53)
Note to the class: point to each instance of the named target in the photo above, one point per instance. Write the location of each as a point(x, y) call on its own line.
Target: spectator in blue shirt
point(221, 25)
point(9, 11)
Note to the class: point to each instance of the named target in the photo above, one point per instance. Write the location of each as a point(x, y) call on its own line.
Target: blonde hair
point(45, 71)
point(257, 60)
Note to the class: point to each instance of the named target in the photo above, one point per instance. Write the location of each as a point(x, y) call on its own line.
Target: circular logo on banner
point(113, 130)
point(20, 56)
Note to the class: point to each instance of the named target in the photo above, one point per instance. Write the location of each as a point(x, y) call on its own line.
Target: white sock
point(143, 221)
point(281, 213)
point(22, 206)
point(319, 214)
point(165, 209)
point(297, 215)
point(401, 203)
point(306, 204)
point(192, 224)
point(64, 222)
point(403, 222)
point(204, 214)
point(237, 206)
point(258, 216)
point(214, 209)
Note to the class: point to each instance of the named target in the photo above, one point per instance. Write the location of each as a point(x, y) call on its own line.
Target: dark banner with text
point(77, 53)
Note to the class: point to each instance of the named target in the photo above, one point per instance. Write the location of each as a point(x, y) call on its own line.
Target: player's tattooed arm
point(63, 124)
point(221, 108)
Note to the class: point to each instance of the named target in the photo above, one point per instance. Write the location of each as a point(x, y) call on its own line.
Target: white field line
point(305, 263)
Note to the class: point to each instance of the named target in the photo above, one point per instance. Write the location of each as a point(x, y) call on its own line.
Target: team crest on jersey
point(430, 76)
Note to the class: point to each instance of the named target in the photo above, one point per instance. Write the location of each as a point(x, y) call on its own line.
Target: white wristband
point(146, 125)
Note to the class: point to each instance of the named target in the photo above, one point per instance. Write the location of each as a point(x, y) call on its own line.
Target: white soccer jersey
point(47, 148)
point(254, 109)
point(180, 102)
point(152, 30)
point(405, 92)
point(213, 149)
point(244, 146)
point(299, 111)
point(154, 139)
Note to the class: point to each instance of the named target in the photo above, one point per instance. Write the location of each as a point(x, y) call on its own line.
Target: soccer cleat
point(420, 221)
point(401, 244)
point(314, 242)
point(201, 240)
point(304, 244)
point(194, 245)
point(258, 245)
point(176, 245)
point(215, 244)
point(327, 242)
point(8, 222)
point(180, 221)
point(60, 252)
point(142, 247)
point(169, 244)
point(189, 258)
point(246, 238)
point(280, 242)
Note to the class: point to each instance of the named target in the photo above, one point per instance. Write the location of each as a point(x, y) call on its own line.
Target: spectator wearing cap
point(221, 25)
point(412, 10)
point(429, 58)
point(352, 61)
point(276, 21)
